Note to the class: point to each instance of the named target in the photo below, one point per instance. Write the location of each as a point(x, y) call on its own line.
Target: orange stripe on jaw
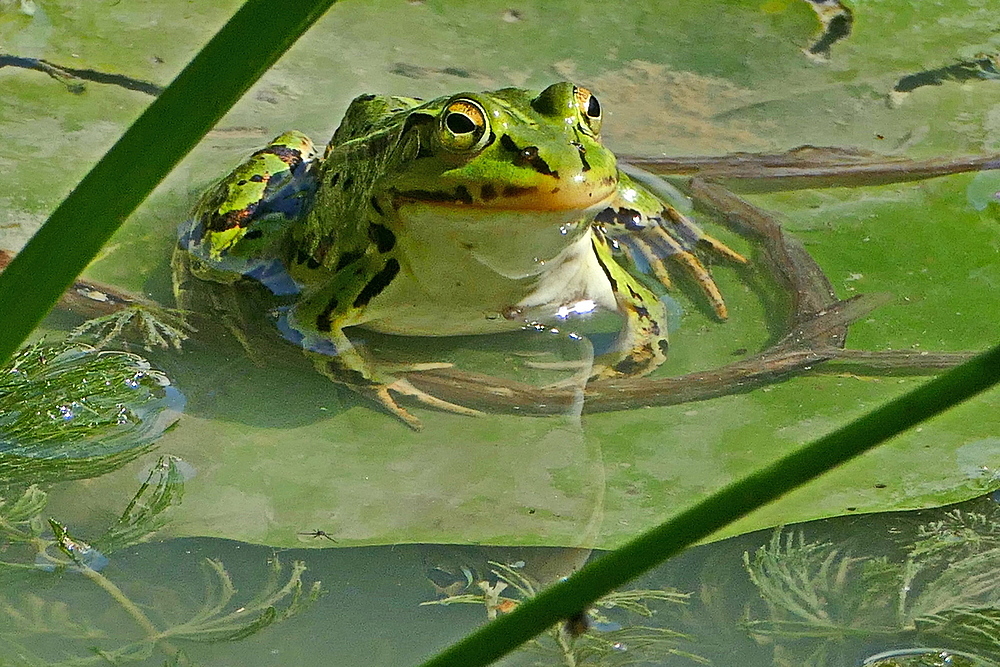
point(557, 196)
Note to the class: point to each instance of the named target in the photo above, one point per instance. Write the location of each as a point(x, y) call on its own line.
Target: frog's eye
point(463, 125)
point(589, 107)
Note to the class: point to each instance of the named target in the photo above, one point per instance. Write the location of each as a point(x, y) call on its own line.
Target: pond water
point(281, 464)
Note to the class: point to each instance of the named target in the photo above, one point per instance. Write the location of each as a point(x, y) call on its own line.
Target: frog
point(471, 213)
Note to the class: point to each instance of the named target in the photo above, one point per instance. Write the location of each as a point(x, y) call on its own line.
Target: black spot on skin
point(488, 192)
point(583, 154)
point(631, 218)
point(663, 345)
point(382, 237)
point(515, 191)
point(527, 157)
point(348, 182)
point(630, 366)
point(378, 209)
point(323, 321)
point(257, 178)
point(606, 217)
point(425, 195)
point(241, 182)
point(642, 311)
point(290, 156)
point(626, 217)
point(303, 257)
point(378, 283)
point(509, 144)
point(231, 219)
point(635, 295)
point(463, 195)
point(607, 273)
point(423, 151)
point(347, 259)
point(253, 234)
point(364, 98)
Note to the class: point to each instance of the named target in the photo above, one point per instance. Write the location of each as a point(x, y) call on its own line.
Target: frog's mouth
point(552, 194)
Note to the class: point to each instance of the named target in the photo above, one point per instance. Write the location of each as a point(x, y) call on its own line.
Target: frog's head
point(507, 150)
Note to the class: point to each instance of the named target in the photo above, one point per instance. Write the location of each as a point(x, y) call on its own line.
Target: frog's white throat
point(515, 244)
point(471, 272)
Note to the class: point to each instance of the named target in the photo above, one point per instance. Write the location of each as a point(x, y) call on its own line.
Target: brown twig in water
point(811, 167)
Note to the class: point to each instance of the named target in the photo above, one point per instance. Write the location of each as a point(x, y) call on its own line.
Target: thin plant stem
point(153, 634)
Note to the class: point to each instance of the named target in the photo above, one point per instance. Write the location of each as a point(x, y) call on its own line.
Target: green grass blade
point(252, 40)
point(567, 598)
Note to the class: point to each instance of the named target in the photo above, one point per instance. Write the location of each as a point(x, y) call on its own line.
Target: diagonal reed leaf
point(250, 42)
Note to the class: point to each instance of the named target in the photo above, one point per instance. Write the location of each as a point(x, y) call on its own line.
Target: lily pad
point(279, 450)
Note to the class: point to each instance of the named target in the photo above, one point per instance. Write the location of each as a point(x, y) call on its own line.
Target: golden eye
point(463, 125)
point(589, 108)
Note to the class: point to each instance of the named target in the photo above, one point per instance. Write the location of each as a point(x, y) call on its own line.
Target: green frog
point(467, 214)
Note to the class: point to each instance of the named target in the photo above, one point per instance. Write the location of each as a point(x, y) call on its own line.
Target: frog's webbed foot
point(349, 368)
point(651, 231)
point(403, 387)
point(155, 327)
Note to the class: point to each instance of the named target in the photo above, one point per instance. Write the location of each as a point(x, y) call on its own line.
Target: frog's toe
point(403, 387)
point(385, 399)
point(657, 245)
point(409, 368)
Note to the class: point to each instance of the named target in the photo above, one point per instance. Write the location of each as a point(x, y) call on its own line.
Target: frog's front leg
point(642, 342)
point(643, 225)
point(321, 317)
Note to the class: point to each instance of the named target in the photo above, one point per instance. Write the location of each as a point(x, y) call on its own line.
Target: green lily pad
point(279, 450)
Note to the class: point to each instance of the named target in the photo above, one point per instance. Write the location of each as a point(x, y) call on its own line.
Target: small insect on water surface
point(318, 533)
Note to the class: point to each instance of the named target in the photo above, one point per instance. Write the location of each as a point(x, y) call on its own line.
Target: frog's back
point(370, 114)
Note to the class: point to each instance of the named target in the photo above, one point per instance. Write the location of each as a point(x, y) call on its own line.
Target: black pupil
point(459, 123)
point(593, 108)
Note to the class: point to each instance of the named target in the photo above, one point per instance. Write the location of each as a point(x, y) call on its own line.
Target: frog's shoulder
point(371, 113)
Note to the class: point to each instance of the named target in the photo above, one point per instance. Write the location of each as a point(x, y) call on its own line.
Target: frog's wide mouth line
point(512, 198)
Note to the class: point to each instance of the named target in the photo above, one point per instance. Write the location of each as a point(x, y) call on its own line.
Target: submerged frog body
point(467, 214)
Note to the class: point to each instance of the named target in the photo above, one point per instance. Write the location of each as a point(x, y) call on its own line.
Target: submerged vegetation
point(35, 544)
point(69, 411)
point(939, 598)
point(618, 630)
